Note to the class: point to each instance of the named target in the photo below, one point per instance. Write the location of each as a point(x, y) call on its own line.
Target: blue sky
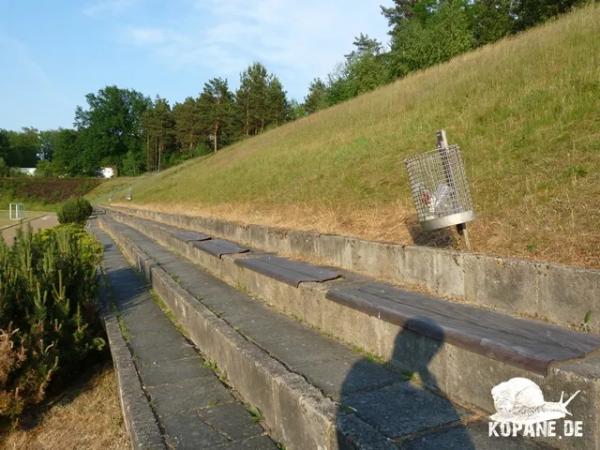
point(52, 53)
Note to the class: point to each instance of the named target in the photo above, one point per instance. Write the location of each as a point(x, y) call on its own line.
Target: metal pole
point(462, 230)
point(442, 144)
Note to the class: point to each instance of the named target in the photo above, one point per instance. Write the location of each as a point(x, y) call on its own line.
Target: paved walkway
point(402, 411)
point(46, 221)
point(193, 408)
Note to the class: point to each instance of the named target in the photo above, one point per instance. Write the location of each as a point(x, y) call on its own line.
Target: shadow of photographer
point(410, 414)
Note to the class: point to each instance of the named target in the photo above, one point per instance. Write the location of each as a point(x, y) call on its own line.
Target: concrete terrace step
point(449, 345)
point(375, 406)
point(529, 344)
point(170, 398)
point(558, 294)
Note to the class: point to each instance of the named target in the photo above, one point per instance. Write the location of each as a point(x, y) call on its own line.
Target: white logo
point(521, 409)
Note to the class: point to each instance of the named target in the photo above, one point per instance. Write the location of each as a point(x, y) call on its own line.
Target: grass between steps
point(212, 365)
point(525, 111)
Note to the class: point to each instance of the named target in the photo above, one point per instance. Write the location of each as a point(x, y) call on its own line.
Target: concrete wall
point(452, 367)
point(552, 292)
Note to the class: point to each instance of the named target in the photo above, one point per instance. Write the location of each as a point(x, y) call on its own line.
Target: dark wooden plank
point(287, 271)
point(524, 343)
point(188, 235)
point(219, 247)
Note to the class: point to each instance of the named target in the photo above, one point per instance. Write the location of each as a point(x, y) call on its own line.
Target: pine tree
point(216, 109)
point(277, 104)
point(159, 131)
point(251, 99)
point(188, 129)
point(401, 11)
point(316, 98)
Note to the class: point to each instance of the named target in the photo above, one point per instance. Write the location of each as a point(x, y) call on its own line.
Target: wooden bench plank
point(287, 271)
point(219, 247)
point(530, 344)
point(188, 235)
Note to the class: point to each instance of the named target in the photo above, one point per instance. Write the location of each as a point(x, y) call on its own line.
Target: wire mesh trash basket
point(439, 187)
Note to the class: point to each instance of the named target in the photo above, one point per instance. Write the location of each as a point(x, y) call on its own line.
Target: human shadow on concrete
point(407, 411)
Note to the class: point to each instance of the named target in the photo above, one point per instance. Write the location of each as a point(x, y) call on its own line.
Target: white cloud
point(296, 40)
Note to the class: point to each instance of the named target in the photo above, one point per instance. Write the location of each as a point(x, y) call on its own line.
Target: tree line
point(19, 149)
point(424, 33)
point(124, 129)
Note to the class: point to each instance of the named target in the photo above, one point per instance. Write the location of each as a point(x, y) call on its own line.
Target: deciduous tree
point(110, 127)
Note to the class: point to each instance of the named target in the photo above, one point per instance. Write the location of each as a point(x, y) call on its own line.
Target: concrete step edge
point(454, 367)
point(140, 421)
point(297, 413)
point(556, 293)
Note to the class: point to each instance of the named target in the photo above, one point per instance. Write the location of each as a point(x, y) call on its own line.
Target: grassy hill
point(525, 111)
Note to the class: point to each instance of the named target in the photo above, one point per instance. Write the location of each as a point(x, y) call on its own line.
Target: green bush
point(75, 210)
point(48, 318)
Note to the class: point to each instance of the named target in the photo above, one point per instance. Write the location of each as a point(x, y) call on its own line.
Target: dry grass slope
point(526, 112)
point(87, 416)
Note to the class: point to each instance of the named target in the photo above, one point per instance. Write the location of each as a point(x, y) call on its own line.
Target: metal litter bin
point(439, 186)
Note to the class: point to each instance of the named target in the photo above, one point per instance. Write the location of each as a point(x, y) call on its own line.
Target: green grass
point(30, 204)
point(256, 413)
point(5, 222)
point(525, 111)
point(167, 311)
point(111, 190)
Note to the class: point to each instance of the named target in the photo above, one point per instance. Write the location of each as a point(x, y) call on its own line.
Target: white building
point(27, 170)
point(107, 172)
